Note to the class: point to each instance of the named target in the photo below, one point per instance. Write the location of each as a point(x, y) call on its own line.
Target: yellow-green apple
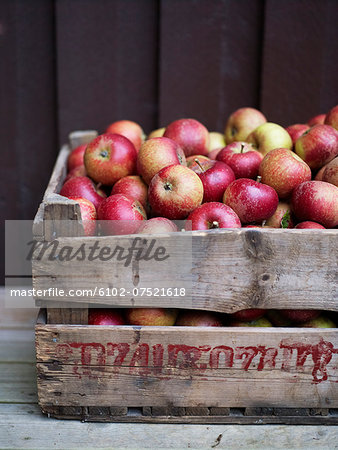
point(318, 145)
point(316, 201)
point(175, 191)
point(157, 153)
point(309, 224)
point(331, 117)
point(83, 187)
point(195, 318)
point(212, 215)
point(105, 316)
point(299, 315)
point(157, 225)
point(241, 123)
point(277, 319)
point(128, 129)
point(295, 131)
point(216, 140)
point(319, 322)
point(75, 157)
point(246, 315)
point(78, 171)
point(262, 322)
point(319, 119)
point(151, 316)
point(120, 214)
point(88, 215)
point(330, 174)
point(110, 157)
point(195, 161)
point(283, 170)
point(216, 177)
point(252, 201)
point(242, 158)
point(268, 136)
point(159, 132)
point(190, 134)
point(282, 217)
point(134, 187)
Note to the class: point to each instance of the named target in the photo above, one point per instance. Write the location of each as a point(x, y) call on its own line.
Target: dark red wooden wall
point(75, 64)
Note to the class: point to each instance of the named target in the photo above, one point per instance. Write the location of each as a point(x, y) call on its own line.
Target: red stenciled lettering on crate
point(190, 356)
point(87, 352)
point(268, 357)
point(158, 352)
point(216, 353)
point(122, 349)
point(63, 352)
point(140, 360)
point(249, 353)
point(320, 353)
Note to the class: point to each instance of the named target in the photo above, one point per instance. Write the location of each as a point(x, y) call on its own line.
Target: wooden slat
point(230, 270)
point(185, 366)
point(209, 59)
point(106, 63)
point(17, 345)
point(299, 62)
point(17, 383)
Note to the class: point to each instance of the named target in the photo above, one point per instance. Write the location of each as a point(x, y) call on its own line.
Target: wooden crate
point(185, 374)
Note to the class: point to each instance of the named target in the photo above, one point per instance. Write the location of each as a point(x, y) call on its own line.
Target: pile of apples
point(255, 174)
point(194, 318)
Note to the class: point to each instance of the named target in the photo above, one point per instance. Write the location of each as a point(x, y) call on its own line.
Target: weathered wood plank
point(222, 270)
point(180, 367)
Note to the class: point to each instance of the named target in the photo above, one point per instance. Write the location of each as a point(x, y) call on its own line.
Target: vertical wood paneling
point(107, 64)
point(209, 59)
point(299, 73)
point(27, 106)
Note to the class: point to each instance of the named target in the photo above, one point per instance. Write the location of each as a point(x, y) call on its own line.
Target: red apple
point(283, 170)
point(190, 134)
point(157, 153)
point(103, 316)
point(319, 174)
point(194, 318)
point(269, 136)
point(83, 187)
point(251, 200)
point(151, 316)
point(309, 224)
point(331, 117)
point(330, 174)
point(277, 319)
point(174, 192)
point(157, 225)
point(262, 322)
point(130, 130)
point(134, 187)
point(120, 214)
point(78, 171)
point(316, 201)
point(318, 145)
point(246, 315)
point(110, 157)
point(282, 217)
point(319, 119)
point(241, 123)
point(75, 157)
point(213, 154)
point(242, 158)
point(212, 215)
point(299, 315)
point(202, 159)
point(216, 177)
point(295, 131)
point(88, 215)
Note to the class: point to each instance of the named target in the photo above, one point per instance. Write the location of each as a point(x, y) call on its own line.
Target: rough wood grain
point(222, 270)
point(185, 367)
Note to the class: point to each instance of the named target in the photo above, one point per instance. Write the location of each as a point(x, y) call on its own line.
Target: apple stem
point(98, 185)
point(259, 179)
point(242, 147)
point(199, 164)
